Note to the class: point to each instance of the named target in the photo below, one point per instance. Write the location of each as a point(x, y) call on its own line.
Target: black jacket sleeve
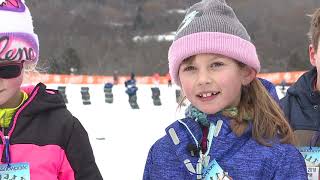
point(80, 155)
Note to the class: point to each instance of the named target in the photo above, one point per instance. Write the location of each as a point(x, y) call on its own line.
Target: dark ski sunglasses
point(10, 70)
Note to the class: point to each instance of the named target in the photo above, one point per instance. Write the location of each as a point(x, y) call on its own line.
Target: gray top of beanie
point(211, 16)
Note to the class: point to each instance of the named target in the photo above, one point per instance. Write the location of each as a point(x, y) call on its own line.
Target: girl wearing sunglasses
point(39, 138)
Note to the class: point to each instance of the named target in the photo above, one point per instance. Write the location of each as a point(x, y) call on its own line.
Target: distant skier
point(283, 87)
point(132, 76)
point(132, 93)
point(168, 77)
point(115, 77)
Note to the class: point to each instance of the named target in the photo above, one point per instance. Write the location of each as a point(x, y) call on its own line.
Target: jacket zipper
point(6, 157)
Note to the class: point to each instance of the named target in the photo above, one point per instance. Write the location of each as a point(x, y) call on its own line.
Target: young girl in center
point(234, 128)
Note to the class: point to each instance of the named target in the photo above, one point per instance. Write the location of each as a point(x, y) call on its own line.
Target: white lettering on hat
point(17, 47)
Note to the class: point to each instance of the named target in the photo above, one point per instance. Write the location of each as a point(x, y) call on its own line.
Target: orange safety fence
point(276, 78)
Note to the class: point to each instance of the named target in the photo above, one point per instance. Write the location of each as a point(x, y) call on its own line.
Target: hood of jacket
point(41, 100)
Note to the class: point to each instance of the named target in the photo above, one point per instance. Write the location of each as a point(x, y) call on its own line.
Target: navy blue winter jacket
point(301, 104)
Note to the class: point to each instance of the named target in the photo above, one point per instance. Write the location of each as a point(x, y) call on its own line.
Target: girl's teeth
point(206, 95)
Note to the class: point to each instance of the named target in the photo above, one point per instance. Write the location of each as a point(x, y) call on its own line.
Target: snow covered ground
point(120, 136)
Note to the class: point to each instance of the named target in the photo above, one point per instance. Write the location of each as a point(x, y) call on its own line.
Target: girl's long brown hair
point(268, 120)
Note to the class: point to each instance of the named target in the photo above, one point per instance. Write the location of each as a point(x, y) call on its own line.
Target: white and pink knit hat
point(211, 26)
point(18, 42)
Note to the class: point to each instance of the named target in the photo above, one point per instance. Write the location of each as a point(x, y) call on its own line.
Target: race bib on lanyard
point(312, 158)
point(214, 172)
point(15, 171)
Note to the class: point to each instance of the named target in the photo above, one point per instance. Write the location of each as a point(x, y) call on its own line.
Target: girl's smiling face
point(213, 82)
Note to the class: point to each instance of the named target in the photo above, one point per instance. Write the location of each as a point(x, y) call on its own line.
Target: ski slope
point(120, 136)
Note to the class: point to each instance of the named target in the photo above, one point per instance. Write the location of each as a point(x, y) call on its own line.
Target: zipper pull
point(199, 166)
point(6, 151)
point(199, 170)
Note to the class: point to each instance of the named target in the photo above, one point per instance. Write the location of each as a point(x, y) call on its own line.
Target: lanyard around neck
point(203, 157)
point(213, 132)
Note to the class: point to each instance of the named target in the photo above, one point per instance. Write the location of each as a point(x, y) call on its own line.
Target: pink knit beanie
point(211, 26)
